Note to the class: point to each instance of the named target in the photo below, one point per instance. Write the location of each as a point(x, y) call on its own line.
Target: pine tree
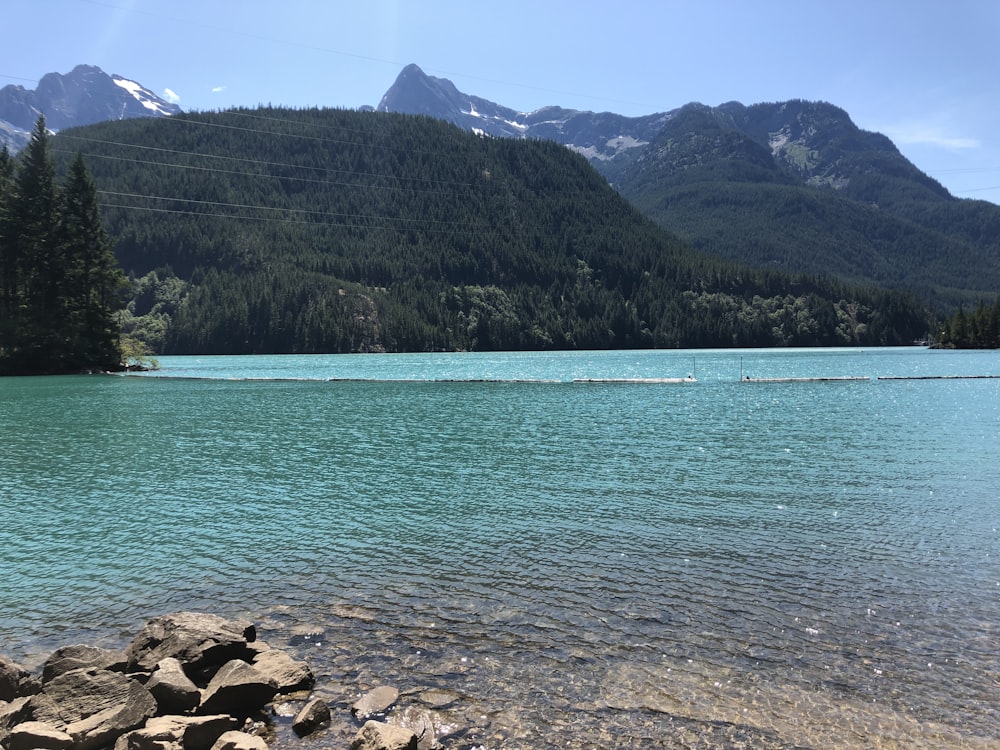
point(60, 286)
point(93, 281)
point(34, 265)
point(8, 264)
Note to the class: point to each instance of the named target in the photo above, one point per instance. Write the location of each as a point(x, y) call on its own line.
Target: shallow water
point(717, 564)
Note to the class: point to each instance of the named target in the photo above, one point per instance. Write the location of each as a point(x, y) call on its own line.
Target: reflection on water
point(708, 565)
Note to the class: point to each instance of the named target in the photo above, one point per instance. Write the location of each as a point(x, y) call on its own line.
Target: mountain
point(83, 96)
point(794, 186)
point(277, 230)
point(601, 137)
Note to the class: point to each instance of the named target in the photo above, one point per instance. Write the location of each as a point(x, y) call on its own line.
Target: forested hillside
point(274, 230)
point(796, 186)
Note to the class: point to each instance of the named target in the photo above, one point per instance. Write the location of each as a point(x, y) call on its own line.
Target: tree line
point(979, 329)
point(60, 284)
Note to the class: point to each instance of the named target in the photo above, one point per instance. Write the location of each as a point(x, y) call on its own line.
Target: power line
point(215, 170)
point(293, 211)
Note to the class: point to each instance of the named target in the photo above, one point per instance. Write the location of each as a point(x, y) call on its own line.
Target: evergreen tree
point(8, 265)
point(91, 295)
point(60, 286)
point(34, 263)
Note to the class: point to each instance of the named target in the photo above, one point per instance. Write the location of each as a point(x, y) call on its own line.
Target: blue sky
point(924, 72)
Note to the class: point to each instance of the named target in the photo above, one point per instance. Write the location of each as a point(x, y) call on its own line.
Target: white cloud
point(929, 135)
point(218, 89)
point(170, 96)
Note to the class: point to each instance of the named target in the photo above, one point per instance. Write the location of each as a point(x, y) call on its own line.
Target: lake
point(579, 564)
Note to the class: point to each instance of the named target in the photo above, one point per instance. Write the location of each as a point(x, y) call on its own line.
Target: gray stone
point(314, 715)
point(11, 677)
point(93, 706)
point(239, 741)
point(69, 658)
point(178, 733)
point(37, 735)
point(173, 689)
point(375, 702)
point(375, 735)
point(199, 641)
point(237, 689)
point(13, 712)
point(290, 675)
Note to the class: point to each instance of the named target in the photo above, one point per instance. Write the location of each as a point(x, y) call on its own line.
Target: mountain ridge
point(84, 96)
point(795, 186)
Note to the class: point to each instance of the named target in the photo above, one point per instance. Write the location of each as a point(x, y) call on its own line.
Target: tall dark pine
point(8, 264)
point(93, 281)
point(60, 289)
point(36, 272)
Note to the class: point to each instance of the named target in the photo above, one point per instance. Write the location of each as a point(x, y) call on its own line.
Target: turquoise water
point(812, 564)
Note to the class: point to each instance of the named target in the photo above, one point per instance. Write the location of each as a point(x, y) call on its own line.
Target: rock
point(199, 641)
point(375, 735)
point(290, 675)
point(11, 677)
point(239, 741)
point(436, 698)
point(69, 658)
point(13, 712)
point(375, 701)
point(144, 739)
point(37, 735)
point(238, 689)
point(172, 688)
point(314, 715)
point(178, 733)
point(93, 706)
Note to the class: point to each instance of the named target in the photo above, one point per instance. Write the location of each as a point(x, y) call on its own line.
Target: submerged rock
point(375, 702)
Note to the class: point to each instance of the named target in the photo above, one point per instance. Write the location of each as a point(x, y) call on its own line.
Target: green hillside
point(275, 230)
point(796, 186)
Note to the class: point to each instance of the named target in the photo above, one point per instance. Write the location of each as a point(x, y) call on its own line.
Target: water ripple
point(808, 566)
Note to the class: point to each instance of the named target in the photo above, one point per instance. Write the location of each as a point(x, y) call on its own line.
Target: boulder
point(375, 702)
point(290, 675)
point(314, 715)
point(239, 741)
point(375, 735)
point(173, 689)
point(11, 677)
point(37, 735)
point(93, 706)
point(199, 641)
point(178, 733)
point(238, 689)
point(69, 658)
point(13, 712)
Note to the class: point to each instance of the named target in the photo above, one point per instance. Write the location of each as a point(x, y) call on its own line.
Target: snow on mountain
point(599, 136)
point(145, 97)
point(83, 96)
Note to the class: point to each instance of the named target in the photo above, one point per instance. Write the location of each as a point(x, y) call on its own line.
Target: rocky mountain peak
point(83, 96)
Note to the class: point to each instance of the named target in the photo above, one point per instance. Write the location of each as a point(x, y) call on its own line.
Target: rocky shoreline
point(187, 681)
